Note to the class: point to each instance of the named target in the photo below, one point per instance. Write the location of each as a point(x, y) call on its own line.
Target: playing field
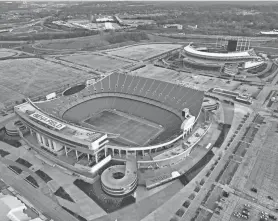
point(73, 43)
point(95, 61)
point(141, 52)
point(32, 76)
point(189, 79)
point(132, 130)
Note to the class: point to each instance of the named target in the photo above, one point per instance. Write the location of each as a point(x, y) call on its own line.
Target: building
point(105, 19)
point(177, 26)
point(210, 104)
point(274, 32)
point(12, 209)
point(244, 98)
point(193, 27)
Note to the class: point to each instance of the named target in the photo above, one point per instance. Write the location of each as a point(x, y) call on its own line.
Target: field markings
point(136, 123)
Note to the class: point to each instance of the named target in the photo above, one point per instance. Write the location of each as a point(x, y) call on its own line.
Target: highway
point(34, 196)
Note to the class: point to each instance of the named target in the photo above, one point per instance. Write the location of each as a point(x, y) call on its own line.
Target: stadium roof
point(192, 50)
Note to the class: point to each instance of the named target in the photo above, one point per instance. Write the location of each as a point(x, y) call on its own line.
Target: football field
point(143, 51)
point(98, 62)
point(133, 130)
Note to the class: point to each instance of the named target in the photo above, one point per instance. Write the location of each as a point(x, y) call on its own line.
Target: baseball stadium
point(128, 118)
point(231, 57)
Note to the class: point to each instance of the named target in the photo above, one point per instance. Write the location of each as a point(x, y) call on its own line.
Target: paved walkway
point(83, 205)
point(34, 196)
point(139, 210)
point(10, 160)
point(26, 172)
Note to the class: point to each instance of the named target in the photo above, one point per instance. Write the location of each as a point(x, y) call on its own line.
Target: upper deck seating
point(172, 95)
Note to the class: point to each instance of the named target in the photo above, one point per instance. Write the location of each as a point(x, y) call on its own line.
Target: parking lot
point(249, 212)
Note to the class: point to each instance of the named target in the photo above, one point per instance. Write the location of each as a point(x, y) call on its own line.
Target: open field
point(26, 29)
point(32, 77)
point(74, 43)
point(95, 61)
point(131, 130)
point(90, 43)
point(168, 75)
point(141, 52)
point(4, 53)
point(264, 174)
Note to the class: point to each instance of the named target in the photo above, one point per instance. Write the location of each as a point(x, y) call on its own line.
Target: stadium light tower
point(245, 45)
point(241, 43)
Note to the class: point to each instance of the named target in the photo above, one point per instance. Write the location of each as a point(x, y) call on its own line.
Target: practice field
point(73, 43)
point(101, 62)
point(132, 130)
point(141, 52)
point(203, 82)
point(32, 76)
point(264, 174)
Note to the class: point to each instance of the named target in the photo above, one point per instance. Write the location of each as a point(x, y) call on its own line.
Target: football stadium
point(138, 135)
point(120, 117)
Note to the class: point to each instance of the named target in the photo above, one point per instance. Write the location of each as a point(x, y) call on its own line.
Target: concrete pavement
point(34, 196)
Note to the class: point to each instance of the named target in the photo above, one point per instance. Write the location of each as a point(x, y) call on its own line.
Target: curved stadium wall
point(241, 55)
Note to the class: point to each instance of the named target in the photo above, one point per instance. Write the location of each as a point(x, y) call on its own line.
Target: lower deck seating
point(167, 119)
